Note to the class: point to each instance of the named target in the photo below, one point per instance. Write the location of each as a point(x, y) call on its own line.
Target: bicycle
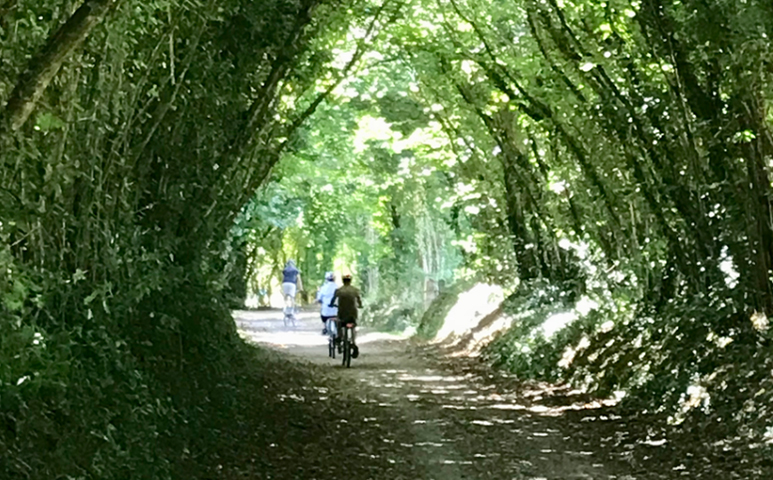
point(350, 349)
point(289, 316)
point(290, 309)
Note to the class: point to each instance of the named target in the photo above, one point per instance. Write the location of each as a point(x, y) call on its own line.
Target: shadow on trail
point(406, 411)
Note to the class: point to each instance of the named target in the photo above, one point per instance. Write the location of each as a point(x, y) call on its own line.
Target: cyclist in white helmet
point(324, 296)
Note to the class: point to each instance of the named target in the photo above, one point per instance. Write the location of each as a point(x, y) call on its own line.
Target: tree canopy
point(159, 161)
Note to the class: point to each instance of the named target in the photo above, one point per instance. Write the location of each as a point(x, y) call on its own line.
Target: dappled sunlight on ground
point(267, 327)
point(421, 414)
point(371, 337)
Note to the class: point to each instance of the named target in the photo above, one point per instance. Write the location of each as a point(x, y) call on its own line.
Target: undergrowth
point(695, 362)
point(79, 403)
point(390, 314)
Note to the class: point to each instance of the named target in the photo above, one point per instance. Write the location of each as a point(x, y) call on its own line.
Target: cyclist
point(324, 296)
point(291, 283)
point(348, 300)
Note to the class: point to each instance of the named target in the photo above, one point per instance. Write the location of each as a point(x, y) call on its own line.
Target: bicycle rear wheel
point(331, 347)
point(347, 356)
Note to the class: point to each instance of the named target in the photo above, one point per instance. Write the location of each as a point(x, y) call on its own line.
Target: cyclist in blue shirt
point(291, 284)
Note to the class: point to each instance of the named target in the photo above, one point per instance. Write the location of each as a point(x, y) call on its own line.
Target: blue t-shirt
point(290, 275)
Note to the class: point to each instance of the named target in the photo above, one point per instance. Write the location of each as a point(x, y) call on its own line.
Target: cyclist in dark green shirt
point(348, 300)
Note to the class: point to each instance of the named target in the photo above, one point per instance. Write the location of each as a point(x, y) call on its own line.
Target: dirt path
point(413, 414)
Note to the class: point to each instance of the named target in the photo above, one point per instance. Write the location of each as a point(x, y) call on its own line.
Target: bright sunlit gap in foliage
point(471, 307)
point(558, 321)
point(728, 268)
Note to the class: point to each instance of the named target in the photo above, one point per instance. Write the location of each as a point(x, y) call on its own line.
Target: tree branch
point(44, 66)
point(359, 52)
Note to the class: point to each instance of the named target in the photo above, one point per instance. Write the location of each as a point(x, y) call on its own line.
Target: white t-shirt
point(324, 296)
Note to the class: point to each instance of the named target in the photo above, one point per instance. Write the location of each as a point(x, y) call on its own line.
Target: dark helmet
point(347, 278)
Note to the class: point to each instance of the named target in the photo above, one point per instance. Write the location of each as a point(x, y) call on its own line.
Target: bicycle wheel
point(331, 347)
point(348, 347)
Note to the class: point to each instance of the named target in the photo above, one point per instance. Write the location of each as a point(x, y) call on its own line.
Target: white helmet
point(330, 276)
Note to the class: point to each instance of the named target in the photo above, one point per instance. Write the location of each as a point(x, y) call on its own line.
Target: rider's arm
point(333, 300)
point(359, 300)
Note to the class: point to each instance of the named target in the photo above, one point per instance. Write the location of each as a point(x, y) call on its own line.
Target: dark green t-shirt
point(348, 301)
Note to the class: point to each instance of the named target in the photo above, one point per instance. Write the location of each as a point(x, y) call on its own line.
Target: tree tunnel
point(160, 159)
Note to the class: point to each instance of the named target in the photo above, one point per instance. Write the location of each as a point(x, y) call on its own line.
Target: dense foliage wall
point(132, 133)
point(632, 145)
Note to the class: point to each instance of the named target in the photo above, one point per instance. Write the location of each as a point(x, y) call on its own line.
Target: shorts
point(331, 325)
point(289, 289)
point(325, 319)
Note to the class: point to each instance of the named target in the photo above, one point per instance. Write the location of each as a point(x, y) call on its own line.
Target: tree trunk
point(523, 244)
point(44, 66)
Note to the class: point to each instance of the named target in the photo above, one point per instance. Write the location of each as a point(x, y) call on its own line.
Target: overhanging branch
point(44, 66)
point(359, 52)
